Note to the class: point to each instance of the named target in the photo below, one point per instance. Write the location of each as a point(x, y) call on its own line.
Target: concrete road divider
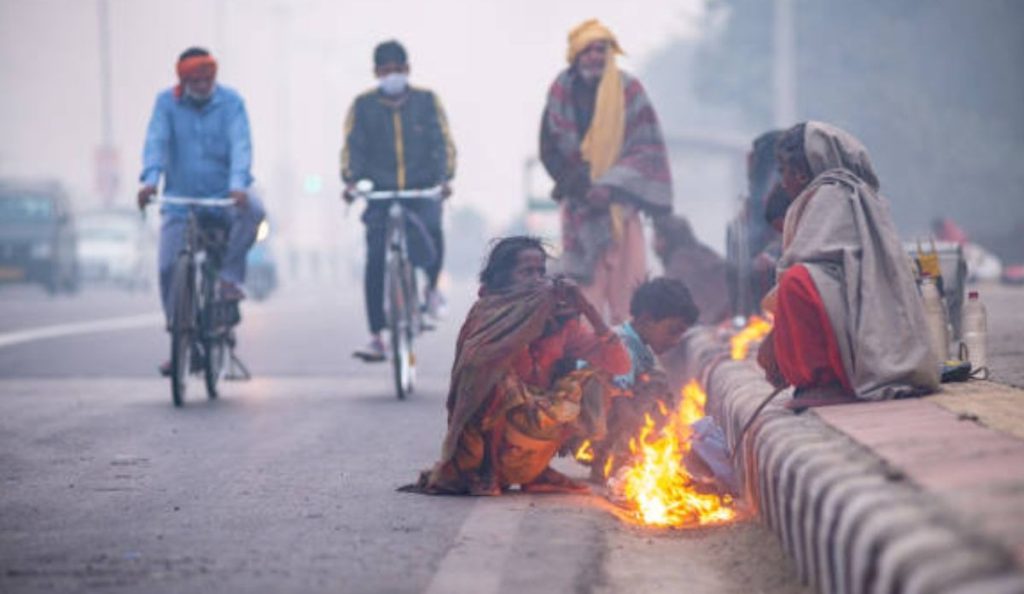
point(853, 499)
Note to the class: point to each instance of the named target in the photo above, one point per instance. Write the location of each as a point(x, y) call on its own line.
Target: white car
point(114, 246)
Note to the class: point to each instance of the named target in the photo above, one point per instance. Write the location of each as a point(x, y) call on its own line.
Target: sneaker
point(436, 306)
point(373, 352)
point(165, 369)
point(230, 291)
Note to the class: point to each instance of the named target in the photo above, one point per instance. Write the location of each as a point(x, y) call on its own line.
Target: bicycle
point(402, 306)
point(202, 324)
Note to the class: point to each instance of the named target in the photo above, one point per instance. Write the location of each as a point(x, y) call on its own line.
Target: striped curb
point(850, 522)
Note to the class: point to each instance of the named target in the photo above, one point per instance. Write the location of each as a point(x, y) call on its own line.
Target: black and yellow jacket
point(403, 144)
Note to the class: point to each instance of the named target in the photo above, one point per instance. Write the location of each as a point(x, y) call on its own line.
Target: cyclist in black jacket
point(397, 137)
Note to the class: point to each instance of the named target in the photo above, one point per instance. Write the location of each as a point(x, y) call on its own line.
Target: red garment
point(805, 344)
point(535, 363)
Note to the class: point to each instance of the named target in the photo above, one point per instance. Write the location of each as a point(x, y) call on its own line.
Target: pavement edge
point(849, 521)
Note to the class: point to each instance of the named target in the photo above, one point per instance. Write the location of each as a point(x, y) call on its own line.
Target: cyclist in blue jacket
point(198, 141)
point(397, 137)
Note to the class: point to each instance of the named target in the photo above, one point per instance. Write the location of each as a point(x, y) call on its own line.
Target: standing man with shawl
point(601, 143)
point(849, 323)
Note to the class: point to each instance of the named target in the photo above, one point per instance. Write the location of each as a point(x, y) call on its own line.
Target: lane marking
point(474, 563)
point(76, 328)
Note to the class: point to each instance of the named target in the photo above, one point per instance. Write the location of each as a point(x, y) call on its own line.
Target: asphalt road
point(1005, 307)
point(287, 483)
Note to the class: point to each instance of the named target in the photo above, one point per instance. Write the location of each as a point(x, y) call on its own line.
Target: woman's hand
point(572, 301)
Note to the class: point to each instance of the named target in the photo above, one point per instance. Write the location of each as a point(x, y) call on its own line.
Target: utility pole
point(784, 65)
point(220, 31)
point(106, 158)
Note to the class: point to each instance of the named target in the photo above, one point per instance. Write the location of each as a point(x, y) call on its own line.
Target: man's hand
point(599, 197)
point(240, 197)
point(573, 183)
point(348, 194)
point(146, 194)
point(446, 191)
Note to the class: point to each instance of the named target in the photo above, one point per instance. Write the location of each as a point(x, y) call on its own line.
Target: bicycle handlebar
point(195, 201)
point(433, 192)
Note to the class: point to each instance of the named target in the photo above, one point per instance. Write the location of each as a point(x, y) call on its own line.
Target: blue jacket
point(200, 150)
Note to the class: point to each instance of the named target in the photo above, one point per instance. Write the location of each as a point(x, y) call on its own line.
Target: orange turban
point(194, 66)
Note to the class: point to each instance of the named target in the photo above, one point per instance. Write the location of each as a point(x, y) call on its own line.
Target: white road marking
point(474, 563)
point(153, 319)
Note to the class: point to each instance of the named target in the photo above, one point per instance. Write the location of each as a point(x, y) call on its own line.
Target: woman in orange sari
point(511, 403)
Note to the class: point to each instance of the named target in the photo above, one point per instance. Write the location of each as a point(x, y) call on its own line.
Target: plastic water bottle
point(975, 334)
point(935, 314)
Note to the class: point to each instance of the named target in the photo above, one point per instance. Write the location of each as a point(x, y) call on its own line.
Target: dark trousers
point(425, 240)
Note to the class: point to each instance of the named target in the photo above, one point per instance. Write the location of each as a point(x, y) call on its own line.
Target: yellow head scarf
point(603, 142)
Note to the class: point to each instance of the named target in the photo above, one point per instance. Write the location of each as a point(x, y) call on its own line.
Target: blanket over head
point(840, 229)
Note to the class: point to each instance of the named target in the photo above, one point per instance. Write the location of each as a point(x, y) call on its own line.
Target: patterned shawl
point(641, 175)
point(497, 327)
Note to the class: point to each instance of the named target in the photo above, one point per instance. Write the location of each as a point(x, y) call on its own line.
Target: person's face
point(660, 335)
point(200, 84)
point(390, 68)
point(793, 180)
point(531, 266)
point(592, 59)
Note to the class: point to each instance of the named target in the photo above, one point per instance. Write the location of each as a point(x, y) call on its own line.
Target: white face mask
point(394, 83)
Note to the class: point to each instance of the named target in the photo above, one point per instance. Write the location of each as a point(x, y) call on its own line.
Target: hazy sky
point(298, 64)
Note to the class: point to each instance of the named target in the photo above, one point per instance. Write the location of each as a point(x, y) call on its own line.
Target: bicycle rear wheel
point(403, 360)
point(182, 327)
point(214, 363)
point(212, 332)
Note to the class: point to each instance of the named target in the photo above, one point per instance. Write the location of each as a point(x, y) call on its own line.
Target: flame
point(608, 465)
point(657, 484)
point(585, 453)
point(756, 329)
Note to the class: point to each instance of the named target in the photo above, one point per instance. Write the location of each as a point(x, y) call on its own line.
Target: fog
point(708, 66)
point(298, 64)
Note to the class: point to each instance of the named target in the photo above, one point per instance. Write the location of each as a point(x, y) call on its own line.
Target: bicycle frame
point(201, 324)
point(401, 293)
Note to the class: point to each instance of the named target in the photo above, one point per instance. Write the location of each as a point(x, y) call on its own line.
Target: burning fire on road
point(656, 486)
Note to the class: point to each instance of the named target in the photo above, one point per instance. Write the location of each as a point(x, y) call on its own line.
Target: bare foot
point(552, 481)
point(485, 485)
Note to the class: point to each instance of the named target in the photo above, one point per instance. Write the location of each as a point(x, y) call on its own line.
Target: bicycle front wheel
point(403, 359)
point(182, 327)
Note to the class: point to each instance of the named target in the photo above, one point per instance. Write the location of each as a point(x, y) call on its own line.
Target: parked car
point(37, 235)
point(115, 246)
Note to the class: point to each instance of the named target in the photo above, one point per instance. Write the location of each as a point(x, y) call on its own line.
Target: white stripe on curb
point(75, 328)
point(474, 563)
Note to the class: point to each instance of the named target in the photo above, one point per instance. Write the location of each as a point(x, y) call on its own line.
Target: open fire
point(755, 330)
point(656, 485)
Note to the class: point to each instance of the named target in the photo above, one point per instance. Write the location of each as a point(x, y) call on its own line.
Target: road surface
point(287, 483)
